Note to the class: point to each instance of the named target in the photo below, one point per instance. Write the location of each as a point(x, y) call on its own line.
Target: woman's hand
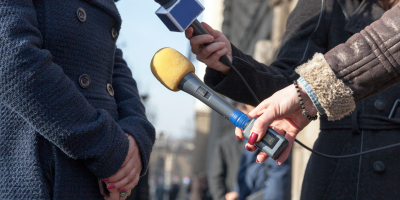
point(283, 112)
point(210, 54)
point(128, 176)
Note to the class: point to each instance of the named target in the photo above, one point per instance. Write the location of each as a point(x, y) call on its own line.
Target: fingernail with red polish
point(278, 163)
point(122, 190)
point(253, 138)
point(104, 179)
point(239, 138)
point(248, 148)
point(111, 186)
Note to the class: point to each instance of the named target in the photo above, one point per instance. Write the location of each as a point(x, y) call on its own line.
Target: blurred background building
point(187, 130)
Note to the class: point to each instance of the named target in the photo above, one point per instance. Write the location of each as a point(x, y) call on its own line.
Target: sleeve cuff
point(333, 95)
point(144, 136)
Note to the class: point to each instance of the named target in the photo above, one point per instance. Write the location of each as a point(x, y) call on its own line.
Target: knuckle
point(206, 50)
point(192, 43)
point(126, 172)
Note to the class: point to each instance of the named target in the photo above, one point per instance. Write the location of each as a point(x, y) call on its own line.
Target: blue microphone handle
point(272, 143)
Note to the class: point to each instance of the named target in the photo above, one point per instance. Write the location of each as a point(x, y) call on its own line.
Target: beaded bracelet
point(305, 112)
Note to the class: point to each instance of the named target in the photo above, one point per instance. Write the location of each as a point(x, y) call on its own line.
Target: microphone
point(176, 73)
point(178, 15)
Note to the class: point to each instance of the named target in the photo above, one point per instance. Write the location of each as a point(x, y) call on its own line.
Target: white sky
point(143, 34)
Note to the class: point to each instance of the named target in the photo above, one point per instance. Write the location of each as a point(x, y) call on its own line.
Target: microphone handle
point(198, 29)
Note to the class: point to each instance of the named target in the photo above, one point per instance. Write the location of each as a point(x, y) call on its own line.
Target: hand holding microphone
point(180, 15)
point(176, 73)
point(211, 53)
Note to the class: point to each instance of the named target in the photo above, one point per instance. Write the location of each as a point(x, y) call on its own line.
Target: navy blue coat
point(67, 98)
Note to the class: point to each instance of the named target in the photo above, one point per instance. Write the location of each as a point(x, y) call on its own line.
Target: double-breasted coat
point(67, 98)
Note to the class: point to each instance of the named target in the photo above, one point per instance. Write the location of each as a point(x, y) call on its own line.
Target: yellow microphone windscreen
point(169, 67)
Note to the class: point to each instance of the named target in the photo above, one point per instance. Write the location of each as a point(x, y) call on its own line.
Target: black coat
point(318, 26)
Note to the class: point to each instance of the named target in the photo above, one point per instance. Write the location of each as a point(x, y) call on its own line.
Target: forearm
point(298, 46)
point(131, 112)
point(368, 63)
point(264, 80)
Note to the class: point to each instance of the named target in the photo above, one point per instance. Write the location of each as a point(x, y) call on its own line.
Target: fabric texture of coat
point(318, 26)
point(67, 98)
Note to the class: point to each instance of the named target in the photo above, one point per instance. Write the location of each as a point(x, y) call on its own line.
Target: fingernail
point(253, 138)
point(111, 186)
point(239, 138)
point(104, 179)
point(122, 190)
point(257, 161)
point(278, 163)
point(211, 38)
point(248, 148)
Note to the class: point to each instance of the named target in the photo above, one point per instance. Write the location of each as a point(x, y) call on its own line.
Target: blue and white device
point(178, 15)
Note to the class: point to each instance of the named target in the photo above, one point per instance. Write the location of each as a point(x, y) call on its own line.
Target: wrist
point(308, 104)
point(311, 95)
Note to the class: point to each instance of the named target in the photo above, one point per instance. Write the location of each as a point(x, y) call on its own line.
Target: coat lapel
point(368, 12)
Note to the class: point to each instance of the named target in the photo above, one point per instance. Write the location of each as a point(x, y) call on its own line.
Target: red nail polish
point(111, 186)
point(104, 179)
point(253, 138)
point(239, 138)
point(122, 190)
point(248, 148)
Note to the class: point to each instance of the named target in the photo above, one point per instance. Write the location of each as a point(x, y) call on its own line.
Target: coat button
point(114, 33)
point(379, 105)
point(84, 81)
point(379, 166)
point(81, 14)
point(110, 89)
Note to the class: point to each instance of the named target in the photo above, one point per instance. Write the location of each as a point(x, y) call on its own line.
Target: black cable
point(350, 155)
point(245, 83)
point(300, 143)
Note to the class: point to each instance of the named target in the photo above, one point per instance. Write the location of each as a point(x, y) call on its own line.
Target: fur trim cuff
point(335, 97)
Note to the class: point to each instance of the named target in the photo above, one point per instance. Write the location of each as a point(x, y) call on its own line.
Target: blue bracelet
point(305, 112)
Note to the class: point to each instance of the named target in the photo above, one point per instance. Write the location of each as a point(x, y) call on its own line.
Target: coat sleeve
point(305, 34)
point(131, 112)
point(36, 88)
point(368, 63)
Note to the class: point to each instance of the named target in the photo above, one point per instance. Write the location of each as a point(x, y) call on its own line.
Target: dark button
point(84, 81)
point(81, 14)
point(114, 33)
point(110, 89)
point(379, 166)
point(379, 105)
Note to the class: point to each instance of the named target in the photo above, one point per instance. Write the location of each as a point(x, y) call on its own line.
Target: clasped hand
point(128, 176)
